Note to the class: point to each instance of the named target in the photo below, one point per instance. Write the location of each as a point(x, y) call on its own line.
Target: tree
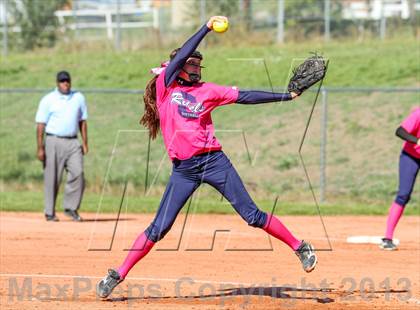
point(37, 21)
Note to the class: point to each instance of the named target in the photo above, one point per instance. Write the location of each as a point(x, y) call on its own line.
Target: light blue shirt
point(62, 113)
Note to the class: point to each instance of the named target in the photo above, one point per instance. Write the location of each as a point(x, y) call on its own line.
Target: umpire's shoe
point(107, 284)
point(73, 214)
point(51, 218)
point(307, 256)
point(388, 245)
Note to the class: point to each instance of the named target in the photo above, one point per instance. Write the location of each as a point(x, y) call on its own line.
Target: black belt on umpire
point(61, 137)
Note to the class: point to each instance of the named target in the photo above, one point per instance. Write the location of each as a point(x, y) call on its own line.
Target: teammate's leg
point(394, 215)
point(408, 170)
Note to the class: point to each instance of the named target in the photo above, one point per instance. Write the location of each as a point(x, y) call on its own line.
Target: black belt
point(177, 161)
point(207, 153)
point(61, 137)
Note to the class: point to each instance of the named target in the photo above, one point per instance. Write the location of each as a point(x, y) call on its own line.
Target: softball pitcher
point(409, 166)
point(179, 105)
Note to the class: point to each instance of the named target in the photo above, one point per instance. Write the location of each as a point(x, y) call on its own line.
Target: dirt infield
point(206, 262)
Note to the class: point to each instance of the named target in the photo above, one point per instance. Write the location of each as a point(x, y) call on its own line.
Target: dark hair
point(195, 54)
point(150, 118)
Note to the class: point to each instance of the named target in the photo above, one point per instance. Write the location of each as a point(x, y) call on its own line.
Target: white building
point(373, 9)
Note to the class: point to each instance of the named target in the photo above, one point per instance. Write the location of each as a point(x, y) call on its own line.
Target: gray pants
point(63, 154)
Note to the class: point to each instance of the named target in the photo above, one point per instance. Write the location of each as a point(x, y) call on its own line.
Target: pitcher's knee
point(155, 234)
point(256, 218)
point(402, 198)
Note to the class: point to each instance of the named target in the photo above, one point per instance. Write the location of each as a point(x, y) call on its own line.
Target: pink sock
point(274, 227)
point(394, 215)
point(140, 248)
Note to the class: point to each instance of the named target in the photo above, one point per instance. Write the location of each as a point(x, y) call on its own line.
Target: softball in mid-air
point(220, 26)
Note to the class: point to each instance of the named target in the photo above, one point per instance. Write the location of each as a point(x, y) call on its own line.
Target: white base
point(369, 239)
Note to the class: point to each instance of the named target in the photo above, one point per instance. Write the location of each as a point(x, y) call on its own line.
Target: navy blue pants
point(213, 168)
point(409, 167)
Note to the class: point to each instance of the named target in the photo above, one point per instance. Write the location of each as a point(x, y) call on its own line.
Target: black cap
point(195, 54)
point(63, 76)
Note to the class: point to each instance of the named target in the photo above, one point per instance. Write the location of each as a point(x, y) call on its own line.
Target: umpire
point(61, 113)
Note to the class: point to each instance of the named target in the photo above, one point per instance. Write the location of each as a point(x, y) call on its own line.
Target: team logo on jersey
point(188, 106)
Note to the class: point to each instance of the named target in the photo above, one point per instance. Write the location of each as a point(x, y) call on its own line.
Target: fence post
point(118, 30)
point(412, 10)
point(155, 18)
point(74, 11)
point(323, 157)
point(5, 30)
point(280, 22)
point(108, 19)
point(203, 12)
point(327, 18)
point(203, 17)
point(382, 26)
point(241, 12)
point(248, 15)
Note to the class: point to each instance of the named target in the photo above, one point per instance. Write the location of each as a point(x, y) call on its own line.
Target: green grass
point(372, 63)
point(32, 201)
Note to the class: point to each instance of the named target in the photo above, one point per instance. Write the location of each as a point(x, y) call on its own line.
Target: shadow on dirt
point(322, 296)
point(108, 220)
point(318, 295)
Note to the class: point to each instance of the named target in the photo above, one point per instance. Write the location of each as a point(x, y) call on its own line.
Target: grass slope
point(372, 63)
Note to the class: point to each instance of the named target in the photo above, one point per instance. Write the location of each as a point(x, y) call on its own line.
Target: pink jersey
point(185, 119)
point(412, 125)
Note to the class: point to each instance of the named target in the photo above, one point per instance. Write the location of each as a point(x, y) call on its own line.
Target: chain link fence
point(351, 151)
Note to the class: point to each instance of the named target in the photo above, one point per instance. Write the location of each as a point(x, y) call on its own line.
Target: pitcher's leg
point(141, 246)
point(277, 229)
point(176, 195)
point(223, 176)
